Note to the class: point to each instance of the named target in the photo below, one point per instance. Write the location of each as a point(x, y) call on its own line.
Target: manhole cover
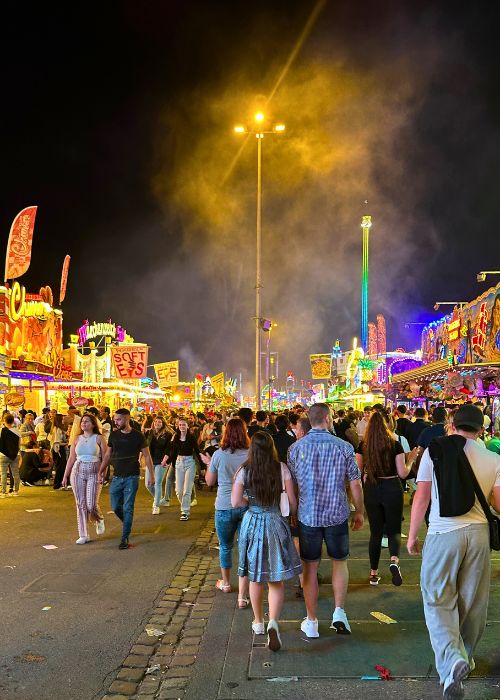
point(64, 583)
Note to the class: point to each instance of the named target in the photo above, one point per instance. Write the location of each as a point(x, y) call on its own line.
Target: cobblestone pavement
point(160, 663)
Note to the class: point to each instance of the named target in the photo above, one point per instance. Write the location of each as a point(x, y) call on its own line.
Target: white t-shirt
point(402, 441)
point(486, 467)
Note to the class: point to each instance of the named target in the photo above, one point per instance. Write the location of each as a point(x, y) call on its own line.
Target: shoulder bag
point(493, 521)
point(284, 502)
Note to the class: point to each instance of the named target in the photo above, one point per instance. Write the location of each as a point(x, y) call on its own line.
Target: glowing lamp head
point(436, 307)
point(259, 117)
point(176, 397)
point(366, 222)
point(279, 128)
point(239, 129)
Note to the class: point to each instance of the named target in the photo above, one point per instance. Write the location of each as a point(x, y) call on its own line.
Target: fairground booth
point(461, 355)
point(112, 371)
point(30, 346)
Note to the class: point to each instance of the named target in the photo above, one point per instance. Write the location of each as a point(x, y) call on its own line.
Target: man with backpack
point(455, 574)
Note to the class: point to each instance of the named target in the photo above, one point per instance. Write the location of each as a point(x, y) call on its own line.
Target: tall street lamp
point(258, 128)
point(460, 304)
point(481, 276)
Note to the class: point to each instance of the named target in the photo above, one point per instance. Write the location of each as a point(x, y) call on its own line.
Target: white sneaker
point(156, 510)
point(339, 622)
point(273, 636)
point(100, 527)
point(82, 540)
point(385, 542)
point(258, 628)
point(194, 502)
point(453, 687)
point(165, 502)
point(309, 628)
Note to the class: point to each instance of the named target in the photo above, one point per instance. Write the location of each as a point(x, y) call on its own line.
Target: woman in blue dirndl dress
point(266, 550)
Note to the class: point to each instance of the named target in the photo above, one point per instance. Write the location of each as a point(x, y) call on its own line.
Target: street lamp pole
point(259, 132)
point(460, 304)
point(258, 378)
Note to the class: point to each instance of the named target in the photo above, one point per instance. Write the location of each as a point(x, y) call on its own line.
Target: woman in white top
point(82, 469)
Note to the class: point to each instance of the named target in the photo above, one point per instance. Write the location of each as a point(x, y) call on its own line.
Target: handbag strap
point(478, 490)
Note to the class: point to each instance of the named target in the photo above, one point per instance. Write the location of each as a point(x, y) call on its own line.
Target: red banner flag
point(64, 278)
point(18, 256)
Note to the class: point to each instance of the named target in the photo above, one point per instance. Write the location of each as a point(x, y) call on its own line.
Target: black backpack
point(453, 475)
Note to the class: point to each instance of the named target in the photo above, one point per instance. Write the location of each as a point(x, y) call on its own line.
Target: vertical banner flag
point(130, 361)
point(18, 257)
point(218, 384)
point(64, 279)
point(321, 366)
point(167, 373)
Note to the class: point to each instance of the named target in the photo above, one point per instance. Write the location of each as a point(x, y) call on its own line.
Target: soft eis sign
point(131, 361)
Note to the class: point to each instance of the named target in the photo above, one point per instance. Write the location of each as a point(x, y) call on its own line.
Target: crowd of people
point(289, 485)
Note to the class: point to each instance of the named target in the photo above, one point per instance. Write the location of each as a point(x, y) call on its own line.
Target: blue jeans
point(336, 538)
point(185, 471)
point(156, 490)
point(169, 485)
point(227, 524)
point(122, 493)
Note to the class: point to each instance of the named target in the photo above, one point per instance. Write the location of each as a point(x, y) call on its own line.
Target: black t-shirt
point(255, 429)
point(30, 465)
point(125, 448)
point(379, 470)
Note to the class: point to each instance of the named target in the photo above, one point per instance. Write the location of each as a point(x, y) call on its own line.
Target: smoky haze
point(127, 146)
point(347, 151)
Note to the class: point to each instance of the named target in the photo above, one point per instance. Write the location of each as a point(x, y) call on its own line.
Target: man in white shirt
point(363, 423)
point(455, 574)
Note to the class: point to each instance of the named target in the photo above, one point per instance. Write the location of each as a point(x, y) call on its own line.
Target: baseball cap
point(469, 415)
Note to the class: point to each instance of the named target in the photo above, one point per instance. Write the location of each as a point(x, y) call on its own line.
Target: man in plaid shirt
point(321, 464)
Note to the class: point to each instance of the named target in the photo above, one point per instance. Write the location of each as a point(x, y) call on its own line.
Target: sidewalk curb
point(160, 662)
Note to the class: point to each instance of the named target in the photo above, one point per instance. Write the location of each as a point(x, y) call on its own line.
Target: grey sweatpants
point(455, 583)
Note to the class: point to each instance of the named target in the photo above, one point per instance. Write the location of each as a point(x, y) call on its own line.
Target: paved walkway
point(80, 623)
point(70, 615)
point(204, 649)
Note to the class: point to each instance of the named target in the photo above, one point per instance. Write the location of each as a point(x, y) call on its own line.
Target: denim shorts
point(336, 538)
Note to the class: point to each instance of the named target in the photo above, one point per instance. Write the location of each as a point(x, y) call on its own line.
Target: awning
point(439, 370)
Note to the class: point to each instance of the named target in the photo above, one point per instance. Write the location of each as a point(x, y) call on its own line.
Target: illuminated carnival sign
point(22, 305)
point(453, 329)
point(479, 338)
point(88, 331)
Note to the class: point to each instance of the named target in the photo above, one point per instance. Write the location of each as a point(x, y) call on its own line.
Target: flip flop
point(243, 603)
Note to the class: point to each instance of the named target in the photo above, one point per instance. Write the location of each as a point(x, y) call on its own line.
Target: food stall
point(91, 357)
point(30, 344)
point(461, 355)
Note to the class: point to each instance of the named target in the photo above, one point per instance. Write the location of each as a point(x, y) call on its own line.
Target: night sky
point(117, 122)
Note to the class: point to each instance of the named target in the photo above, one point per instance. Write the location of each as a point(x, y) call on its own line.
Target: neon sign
point(453, 329)
point(20, 307)
point(93, 330)
point(479, 338)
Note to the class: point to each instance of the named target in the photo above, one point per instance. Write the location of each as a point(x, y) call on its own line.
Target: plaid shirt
point(320, 464)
